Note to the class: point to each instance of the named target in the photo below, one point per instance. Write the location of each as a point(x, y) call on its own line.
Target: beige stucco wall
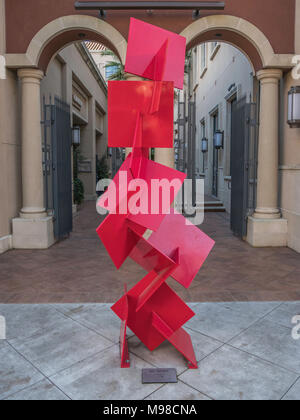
point(290, 157)
point(297, 28)
point(224, 68)
point(53, 83)
point(290, 171)
point(70, 78)
point(66, 69)
point(10, 148)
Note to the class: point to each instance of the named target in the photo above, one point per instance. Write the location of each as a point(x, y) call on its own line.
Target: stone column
point(266, 228)
point(33, 229)
point(32, 172)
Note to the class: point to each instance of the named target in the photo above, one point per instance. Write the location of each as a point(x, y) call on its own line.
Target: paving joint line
point(290, 388)
point(37, 369)
point(87, 327)
point(263, 360)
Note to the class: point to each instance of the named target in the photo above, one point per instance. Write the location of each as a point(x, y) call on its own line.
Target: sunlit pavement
point(245, 351)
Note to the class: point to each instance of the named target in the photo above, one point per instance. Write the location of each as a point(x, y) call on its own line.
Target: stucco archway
point(240, 33)
point(63, 31)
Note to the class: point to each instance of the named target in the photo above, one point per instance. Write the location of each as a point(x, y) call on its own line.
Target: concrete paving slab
point(101, 378)
point(179, 391)
point(99, 318)
point(41, 391)
point(25, 320)
point(64, 344)
point(294, 393)
point(58, 347)
point(281, 317)
point(230, 374)
point(15, 372)
point(271, 342)
point(220, 322)
point(292, 307)
point(260, 309)
point(166, 356)
point(2, 343)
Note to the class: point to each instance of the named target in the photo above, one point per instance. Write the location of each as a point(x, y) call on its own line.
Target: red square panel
point(126, 100)
point(164, 302)
point(175, 232)
point(149, 172)
point(118, 239)
point(155, 53)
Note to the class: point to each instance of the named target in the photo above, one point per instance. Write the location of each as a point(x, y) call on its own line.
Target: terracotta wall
point(290, 158)
point(276, 18)
point(10, 147)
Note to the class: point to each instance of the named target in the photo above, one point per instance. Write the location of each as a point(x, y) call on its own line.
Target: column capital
point(30, 73)
point(269, 74)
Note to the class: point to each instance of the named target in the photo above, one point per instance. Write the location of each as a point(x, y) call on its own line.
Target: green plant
point(102, 169)
point(78, 191)
point(118, 67)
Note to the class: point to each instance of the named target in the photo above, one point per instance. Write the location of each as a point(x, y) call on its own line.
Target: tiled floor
point(70, 351)
point(79, 270)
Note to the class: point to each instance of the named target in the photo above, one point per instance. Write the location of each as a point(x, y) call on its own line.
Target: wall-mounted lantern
point(219, 139)
point(204, 145)
point(294, 107)
point(76, 136)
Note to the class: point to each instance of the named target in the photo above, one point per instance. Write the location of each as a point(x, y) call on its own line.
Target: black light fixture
point(204, 145)
point(219, 139)
point(76, 136)
point(294, 107)
point(196, 6)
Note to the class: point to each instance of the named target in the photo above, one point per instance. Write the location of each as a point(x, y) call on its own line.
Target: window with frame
point(203, 57)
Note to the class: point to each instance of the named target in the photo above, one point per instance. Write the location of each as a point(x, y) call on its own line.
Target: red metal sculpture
point(141, 116)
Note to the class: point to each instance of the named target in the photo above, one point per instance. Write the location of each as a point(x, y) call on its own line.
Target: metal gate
point(243, 165)
point(215, 179)
point(116, 160)
point(185, 143)
point(57, 164)
point(180, 140)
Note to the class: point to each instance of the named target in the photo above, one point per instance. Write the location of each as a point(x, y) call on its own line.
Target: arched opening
point(238, 32)
point(221, 99)
point(73, 95)
point(65, 30)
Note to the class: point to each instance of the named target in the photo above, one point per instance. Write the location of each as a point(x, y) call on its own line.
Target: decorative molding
point(85, 166)
point(77, 102)
point(289, 167)
point(215, 51)
point(203, 72)
point(64, 24)
point(5, 243)
point(245, 29)
point(88, 59)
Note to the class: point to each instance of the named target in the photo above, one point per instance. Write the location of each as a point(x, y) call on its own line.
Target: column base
point(267, 232)
point(33, 213)
point(33, 233)
point(5, 243)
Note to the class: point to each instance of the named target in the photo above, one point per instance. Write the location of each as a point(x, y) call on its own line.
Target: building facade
point(219, 76)
point(266, 32)
point(72, 78)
